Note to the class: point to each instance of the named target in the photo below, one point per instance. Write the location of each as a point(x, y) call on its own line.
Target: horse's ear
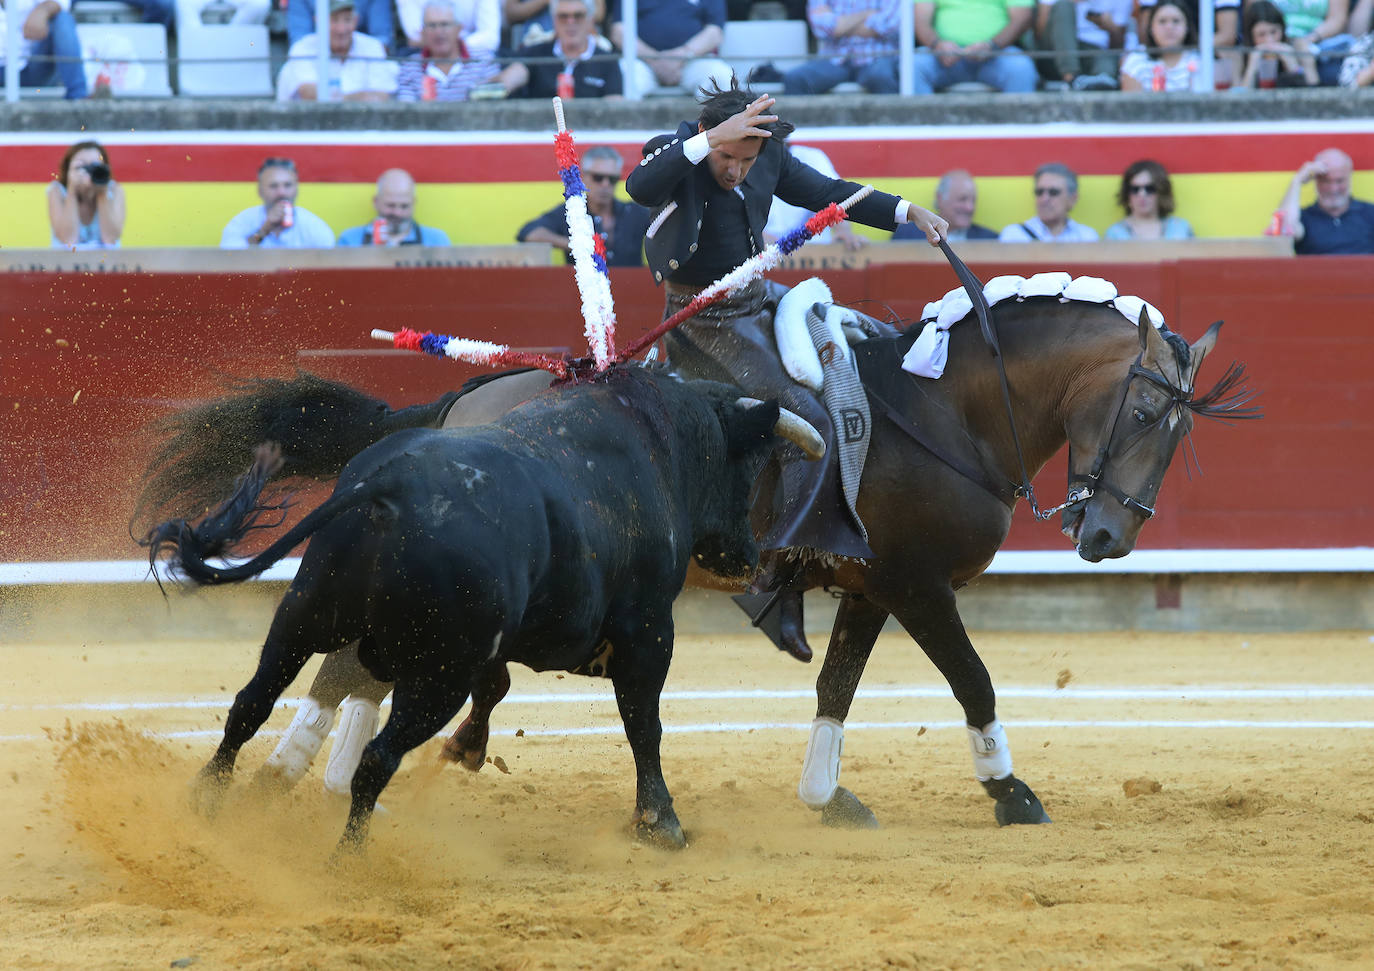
point(1199, 350)
point(1151, 342)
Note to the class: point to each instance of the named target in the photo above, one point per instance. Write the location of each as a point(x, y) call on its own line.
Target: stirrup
point(778, 613)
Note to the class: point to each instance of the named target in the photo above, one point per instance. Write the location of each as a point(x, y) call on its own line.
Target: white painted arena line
point(1297, 692)
point(801, 728)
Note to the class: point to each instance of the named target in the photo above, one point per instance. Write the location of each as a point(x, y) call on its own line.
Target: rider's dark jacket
point(666, 177)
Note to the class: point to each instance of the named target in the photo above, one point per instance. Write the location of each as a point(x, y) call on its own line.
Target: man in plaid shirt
point(857, 41)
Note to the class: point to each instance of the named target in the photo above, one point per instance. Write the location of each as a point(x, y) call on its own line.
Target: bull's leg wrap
point(991, 756)
point(357, 725)
point(821, 768)
point(301, 743)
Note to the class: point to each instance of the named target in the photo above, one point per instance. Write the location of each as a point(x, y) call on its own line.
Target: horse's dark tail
point(232, 520)
point(319, 425)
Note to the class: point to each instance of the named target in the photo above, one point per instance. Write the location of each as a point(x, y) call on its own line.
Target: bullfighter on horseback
point(710, 185)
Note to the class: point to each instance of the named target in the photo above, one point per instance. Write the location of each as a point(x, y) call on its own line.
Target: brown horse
point(943, 474)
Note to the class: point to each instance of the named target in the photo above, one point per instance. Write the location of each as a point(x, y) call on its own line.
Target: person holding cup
point(85, 203)
point(395, 224)
point(1273, 61)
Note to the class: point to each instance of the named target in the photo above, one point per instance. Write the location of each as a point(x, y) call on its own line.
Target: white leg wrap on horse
point(821, 769)
point(301, 743)
point(357, 725)
point(991, 756)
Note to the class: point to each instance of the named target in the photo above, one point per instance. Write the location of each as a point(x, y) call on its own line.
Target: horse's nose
point(1097, 546)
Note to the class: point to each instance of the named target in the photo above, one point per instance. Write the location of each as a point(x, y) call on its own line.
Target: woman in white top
point(1173, 67)
point(85, 203)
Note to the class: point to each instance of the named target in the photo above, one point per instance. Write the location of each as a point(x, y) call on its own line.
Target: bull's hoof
point(1016, 804)
point(845, 811)
point(660, 829)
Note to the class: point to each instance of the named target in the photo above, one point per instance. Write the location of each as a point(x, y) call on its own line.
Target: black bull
point(937, 504)
point(557, 537)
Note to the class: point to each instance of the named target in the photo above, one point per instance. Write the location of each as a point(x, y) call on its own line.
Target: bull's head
point(1121, 472)
point(725, 542)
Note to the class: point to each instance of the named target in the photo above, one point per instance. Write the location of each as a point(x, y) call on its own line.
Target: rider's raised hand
point(746, 123)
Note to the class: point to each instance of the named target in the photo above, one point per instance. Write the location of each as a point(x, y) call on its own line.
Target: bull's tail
point(232, 520)
point(319, 425)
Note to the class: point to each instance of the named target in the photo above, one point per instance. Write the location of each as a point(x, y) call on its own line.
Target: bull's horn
point(794, 428)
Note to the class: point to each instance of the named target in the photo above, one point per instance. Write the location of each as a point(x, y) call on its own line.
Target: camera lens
point(99, 173)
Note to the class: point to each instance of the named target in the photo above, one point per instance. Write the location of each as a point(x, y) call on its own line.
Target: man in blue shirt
point(395, 224)
point(278, 223)
point(1335, 223)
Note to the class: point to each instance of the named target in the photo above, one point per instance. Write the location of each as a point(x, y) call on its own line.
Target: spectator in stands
point(1086, 37)
point(783, 217)
point(278, 223)
point(1335, 223)
point(1170, 64)
point(358, 66)
point(856, 40)
point(395, 224)
point(531, 21)
point(479, 24)
point(677, 39)
point(956, 200)
point(374, 19)
point(1357, 68)
point(85, 204)
point(564, 65)
point(445, 69)
point(1147, 197)
point(1226, 22)
point(620, 224)
point(1274, 62)
point(49, 50)
point(972, 40)
point(1056, 193)
point(1320, 28)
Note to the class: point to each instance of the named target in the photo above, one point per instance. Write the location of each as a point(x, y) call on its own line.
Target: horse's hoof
point(205, 795)
point(660, 830)
point(1016, 804)
point(845, 811)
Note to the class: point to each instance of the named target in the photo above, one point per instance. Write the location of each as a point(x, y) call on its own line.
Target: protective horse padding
point(930, 352)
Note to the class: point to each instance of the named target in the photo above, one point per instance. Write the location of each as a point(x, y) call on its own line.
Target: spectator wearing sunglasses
point(1147, 197)
point(620, 224)
point(278, 223)
point(1056, 193)
point(577, 63)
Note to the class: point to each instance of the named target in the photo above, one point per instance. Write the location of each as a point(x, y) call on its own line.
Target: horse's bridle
point(1094, 480)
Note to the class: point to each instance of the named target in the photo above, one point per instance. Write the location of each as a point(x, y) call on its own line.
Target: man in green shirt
point(973, 40)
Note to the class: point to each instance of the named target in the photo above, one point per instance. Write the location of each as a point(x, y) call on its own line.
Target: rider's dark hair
point(718, 104)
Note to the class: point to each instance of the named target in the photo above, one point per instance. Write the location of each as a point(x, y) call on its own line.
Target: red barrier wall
point(89, 359)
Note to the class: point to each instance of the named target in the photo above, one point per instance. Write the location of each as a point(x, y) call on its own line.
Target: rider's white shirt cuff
point(696, 148)
point(903, 207)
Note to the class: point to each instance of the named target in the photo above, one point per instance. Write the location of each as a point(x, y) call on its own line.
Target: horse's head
point(1117, 467)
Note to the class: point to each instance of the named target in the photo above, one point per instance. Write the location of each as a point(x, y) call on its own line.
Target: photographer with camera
point(85, 203)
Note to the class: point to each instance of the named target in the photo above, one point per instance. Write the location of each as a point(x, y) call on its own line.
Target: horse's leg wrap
point(301, 743)
point(821, 769)
point(991, 756)
point(356, 728)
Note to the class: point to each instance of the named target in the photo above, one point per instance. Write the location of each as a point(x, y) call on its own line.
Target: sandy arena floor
point(1254, 852)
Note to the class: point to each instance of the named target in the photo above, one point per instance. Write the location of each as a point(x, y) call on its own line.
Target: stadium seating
point(224, 60)
point(132, 58)
point(749, 43)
